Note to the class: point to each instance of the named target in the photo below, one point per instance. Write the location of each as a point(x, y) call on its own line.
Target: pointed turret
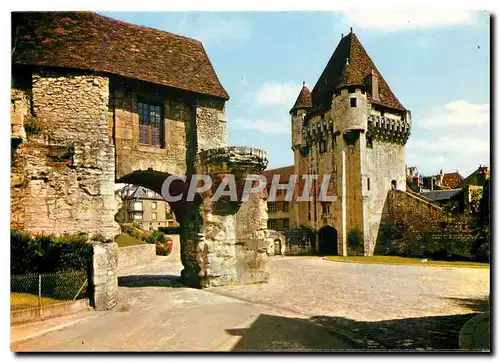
point(303, 100)
point(351, 65)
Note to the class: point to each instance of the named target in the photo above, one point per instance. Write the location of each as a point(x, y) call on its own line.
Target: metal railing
point(37, 290)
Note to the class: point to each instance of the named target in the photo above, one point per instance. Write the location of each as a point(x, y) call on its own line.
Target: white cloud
point(451, 144)
point(278, 93)
point(456, 114)
point(223, 29)
point(277, 126)
point(453, 136)
point(400, 20)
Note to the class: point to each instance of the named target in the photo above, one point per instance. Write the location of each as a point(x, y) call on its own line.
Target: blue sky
point(437, 64)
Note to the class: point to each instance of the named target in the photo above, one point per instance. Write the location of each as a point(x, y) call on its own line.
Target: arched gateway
point(328, 243)
point(106, 117)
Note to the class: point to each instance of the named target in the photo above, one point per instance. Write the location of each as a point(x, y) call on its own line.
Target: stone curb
point(466, 336)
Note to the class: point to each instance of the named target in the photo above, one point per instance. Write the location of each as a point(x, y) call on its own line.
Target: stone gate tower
point(352, 127)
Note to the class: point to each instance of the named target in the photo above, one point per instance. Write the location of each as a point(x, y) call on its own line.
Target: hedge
point(47, 253)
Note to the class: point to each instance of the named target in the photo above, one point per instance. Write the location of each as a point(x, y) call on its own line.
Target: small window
point(150, 124)
point(322, 146)
point(286, 223)
point(285, 206)
point(325, 208)
point(353, 102)
point(154, 216)
point(368, 183)
point(153, 205)
point(272, 224)
point(394, 184)
point(271, 207)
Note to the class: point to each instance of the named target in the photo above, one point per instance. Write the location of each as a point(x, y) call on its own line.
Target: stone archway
point(328, 241)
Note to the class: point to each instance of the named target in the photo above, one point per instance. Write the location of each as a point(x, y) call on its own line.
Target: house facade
point(95, 100)
point(145, 208)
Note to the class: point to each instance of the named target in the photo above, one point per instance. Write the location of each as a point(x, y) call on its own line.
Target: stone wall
point(135, 255)
point(384, 162)
point(407, 219)
point(210, 125)
point(171, 157)
point(63, 178)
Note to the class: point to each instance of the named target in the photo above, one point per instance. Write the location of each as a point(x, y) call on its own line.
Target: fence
point(37, 290)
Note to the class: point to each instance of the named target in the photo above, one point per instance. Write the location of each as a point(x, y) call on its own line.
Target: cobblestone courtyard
point(309, 303)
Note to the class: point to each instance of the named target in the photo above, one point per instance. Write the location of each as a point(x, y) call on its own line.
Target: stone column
point(104, 275)
point(225, 241)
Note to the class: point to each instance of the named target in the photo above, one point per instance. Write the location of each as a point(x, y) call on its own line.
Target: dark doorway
point(328, 241)
point(277, 247)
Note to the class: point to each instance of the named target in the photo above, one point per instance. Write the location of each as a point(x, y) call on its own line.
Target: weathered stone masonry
point(87, 137)
point(65, 175)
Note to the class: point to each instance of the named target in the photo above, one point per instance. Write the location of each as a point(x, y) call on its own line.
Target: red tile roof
point(303, 100)
point(350, 64)
point(452, 180)
point(284, 173)
point(84, 40)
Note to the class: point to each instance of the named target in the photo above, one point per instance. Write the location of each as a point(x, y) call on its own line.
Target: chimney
point(373, 85)
point(431, 186)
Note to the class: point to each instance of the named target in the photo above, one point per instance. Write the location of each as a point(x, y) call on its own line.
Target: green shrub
point(155, 237)
point(32, 125)
point(46, 253)
point(355, 243)
point(164, 248)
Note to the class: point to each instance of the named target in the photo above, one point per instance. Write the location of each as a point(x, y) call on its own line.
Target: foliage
point(32, 126)
point(164, 248)
point(355, 242)
point(481, 247)
point(133, 231)
point(46, 253)
point(125, 239)
point(155, 237)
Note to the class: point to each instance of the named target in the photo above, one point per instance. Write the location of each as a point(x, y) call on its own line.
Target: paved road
point(309, 304)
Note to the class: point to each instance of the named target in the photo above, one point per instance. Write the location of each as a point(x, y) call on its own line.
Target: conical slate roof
point(303, 100)
point(350, 64)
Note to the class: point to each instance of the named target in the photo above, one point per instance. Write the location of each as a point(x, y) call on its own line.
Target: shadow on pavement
point(477, 305)
point(325, 333)
point(135, 281)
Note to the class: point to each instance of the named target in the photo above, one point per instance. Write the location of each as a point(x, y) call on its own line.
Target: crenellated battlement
point(388, 129)
point(318, 131)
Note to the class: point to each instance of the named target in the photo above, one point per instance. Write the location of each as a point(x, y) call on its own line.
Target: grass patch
point(25, 301)
point(399, 260)
point(125, 239)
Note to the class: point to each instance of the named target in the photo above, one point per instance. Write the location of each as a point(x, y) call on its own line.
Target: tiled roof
point(452, 180)
point(350, 64)
point(84, 40)
point(130, 192)
point(441, 194)
point(284, 173)
point(303, 100)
